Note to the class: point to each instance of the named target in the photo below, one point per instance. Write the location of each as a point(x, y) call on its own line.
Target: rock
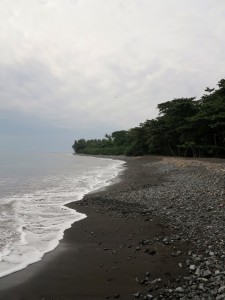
point(149, 297)
point(144, 281)
point(137, 295)
point(165, 241)
point(201, 287)
point(202, 279)
point(220, 297)
point(156, 281)
point(198, 272)
point(179, 289)
point(221, 289)
point(117, 296)
point(192, 267)
point(188, 262)
point(207, 274)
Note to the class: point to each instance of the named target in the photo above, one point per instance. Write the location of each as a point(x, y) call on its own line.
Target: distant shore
point(157, 231)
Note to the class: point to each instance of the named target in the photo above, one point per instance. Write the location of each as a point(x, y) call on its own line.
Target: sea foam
point(33, 223)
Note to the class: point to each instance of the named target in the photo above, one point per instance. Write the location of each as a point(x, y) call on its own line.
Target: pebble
point(207, 274)
point(220, 297)
point(137, 295)
point(192, 267)
point(191, 198)
point(156, 281)
point(221, 289)
point(179, 289)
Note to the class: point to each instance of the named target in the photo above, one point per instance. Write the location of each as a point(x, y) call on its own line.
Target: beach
point(155, 233)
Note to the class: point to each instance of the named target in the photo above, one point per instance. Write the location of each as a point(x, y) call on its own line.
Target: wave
point(32, 224)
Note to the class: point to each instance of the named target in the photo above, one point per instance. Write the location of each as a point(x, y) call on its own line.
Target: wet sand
point(115, 253)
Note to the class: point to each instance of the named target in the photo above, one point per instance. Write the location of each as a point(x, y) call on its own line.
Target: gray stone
point(137, 295)
point(192, 267)
point(220, 297)
point(179, 289)
point(221, 289)
point(207, 274)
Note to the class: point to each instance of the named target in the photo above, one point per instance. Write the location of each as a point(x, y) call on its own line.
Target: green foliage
point(104, 151)
point(184, 127)
point(119, 137)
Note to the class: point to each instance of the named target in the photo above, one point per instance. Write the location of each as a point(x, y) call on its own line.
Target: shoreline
point(37, 255)
point(125, 246)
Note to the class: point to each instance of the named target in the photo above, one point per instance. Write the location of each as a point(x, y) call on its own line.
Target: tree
point(119, 137)
point(184, 126)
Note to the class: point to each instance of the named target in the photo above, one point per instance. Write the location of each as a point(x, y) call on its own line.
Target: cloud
point(105, 65)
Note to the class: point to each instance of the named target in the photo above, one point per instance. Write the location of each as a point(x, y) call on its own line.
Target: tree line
point(184, 127)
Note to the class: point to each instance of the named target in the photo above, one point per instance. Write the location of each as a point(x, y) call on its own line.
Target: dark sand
point(102, 257)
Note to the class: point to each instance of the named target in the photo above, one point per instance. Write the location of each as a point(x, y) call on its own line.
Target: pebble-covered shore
point(191, 199)
point(158, 233)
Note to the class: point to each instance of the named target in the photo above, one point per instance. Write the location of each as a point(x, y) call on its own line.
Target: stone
point(220, 297)
point(198, 272)
point(179, 289)
point(156, 281)
point(149, 297)
point(207, 274)
point(221, 289)
point(137, 295)
point(192, 267)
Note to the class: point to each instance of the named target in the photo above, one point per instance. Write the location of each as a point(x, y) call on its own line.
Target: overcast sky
point(83, 68)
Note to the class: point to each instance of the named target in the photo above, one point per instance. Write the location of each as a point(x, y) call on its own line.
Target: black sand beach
point(130, 246)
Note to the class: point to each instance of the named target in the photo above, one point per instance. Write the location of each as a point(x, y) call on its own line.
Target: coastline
point(127, 245)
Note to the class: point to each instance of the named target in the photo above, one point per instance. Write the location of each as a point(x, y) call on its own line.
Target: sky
point(73, 69)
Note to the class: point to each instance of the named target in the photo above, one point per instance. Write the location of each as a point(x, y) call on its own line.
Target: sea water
point(34, 188)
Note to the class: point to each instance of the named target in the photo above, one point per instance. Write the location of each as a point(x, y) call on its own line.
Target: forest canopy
point(184, 127)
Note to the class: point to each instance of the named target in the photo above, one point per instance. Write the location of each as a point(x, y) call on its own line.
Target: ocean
point(34, 187)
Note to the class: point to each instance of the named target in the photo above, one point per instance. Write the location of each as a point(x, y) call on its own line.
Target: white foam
point(32, 224)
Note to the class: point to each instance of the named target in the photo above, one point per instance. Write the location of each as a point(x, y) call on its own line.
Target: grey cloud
point(26, 83)
point(103, 65)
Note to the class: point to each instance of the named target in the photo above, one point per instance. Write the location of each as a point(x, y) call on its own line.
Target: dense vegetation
point(184, 127)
